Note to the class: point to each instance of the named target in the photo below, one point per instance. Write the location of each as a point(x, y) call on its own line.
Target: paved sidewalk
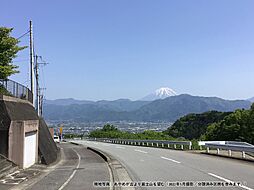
point(78, 169)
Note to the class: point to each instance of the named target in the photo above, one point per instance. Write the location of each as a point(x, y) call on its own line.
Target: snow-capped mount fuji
point(160, 93)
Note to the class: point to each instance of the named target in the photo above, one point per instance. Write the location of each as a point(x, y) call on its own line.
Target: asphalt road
point(78, 169)
point(154, 164)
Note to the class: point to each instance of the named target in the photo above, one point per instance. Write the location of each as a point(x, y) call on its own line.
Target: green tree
point(109, 127)
point(8, 51)
point(238, 126)
point(193, 126)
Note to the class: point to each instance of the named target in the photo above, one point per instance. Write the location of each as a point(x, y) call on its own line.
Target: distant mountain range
point(67, 101)
point(167, 109)
point(160, 93)
point(116, 105)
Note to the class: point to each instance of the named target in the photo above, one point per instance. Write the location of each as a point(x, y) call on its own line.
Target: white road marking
point(120, 147)
point(105, 144)
point(73, 173)
point(140, 151)
point(229, 181)
point(165, 158)
point(10, 179)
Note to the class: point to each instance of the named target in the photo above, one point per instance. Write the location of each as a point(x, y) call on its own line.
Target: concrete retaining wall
point(17, 117)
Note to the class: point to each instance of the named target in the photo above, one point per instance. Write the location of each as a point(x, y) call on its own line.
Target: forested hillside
point(192, 126)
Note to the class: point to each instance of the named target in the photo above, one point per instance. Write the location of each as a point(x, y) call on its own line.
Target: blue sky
point(110, 49)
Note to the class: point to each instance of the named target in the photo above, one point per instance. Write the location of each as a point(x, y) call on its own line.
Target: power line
point(6, 51)
point(23, 34)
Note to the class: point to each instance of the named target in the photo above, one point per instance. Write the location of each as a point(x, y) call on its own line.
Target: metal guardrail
point(238, 143)
point(202, 143)
point(153, 143)
point(15, 89)
point(228, 145)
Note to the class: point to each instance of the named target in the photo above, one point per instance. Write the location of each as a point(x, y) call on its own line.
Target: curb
point(100, 153)
point(118, 171)
point(75, 143)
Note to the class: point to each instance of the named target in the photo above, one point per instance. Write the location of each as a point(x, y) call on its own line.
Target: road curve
point(78, 169)
point(154, 164)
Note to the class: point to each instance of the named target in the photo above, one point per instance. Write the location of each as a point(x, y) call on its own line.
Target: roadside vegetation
point(192, 126)
point(4, 91)
point(110, 131)
point(213, 125)
point(237, 126)
point(8, 51)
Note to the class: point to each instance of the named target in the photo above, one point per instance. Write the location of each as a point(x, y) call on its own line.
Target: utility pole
point(41, 98)
point(38, 101)
point(40, 104)
point(37, 84)
point(31, 59)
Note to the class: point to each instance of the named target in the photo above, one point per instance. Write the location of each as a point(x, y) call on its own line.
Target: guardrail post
point(152, 144)
point(229, 153)
point(243, 154)
point(143, 143)
point(157, 144)
point(182, 146)
point(174, 146)
point(134, 143)
point(200, 147)
point(168, 146)
point(139, 143)
point(207, 149)
point(147, 144)
point(162, 145)
point(190, 147)
point(218, 151)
